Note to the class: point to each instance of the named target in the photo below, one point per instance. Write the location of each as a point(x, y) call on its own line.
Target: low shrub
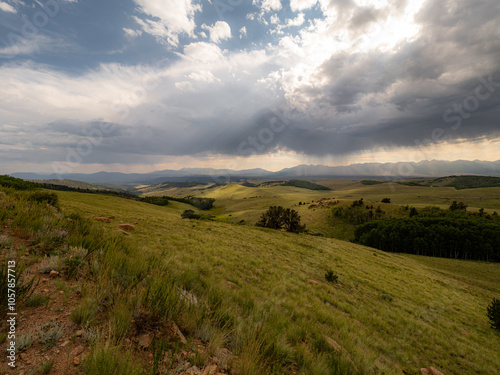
point(36, 300)
point(190, 214)
point(24, 342)
point(44, 197)
point(85, 313)
point(49, 334)
point(331, 277)
point(105, 359)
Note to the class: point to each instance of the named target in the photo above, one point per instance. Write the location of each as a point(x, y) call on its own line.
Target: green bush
point(331, 277)
point(72, 265)
point(120, 319)
point(17, 183)
point(107, 360)
point(49, 333)
point(190, 214)
point(458, 206)
point(44, 197)
point(494, 313)
point(85, 313)
point(386, 200)
point(159, 201)
point(24, 342)
point(36, 300)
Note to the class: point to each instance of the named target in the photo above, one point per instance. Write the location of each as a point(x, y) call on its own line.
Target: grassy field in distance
point(235, 202)
point(388, 311)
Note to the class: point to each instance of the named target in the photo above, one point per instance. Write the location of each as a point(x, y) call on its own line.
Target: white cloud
point(219, 31)
point(274, 19)
point(268, 5)
point(202, 52)
point(7, 7)
point(176, 17)
point(243, 32)
point(298, 5)
point(22, 46)
point(158, 30)
point(203, 76)
point(132, 33)
point(184, 86)
point(297, 21)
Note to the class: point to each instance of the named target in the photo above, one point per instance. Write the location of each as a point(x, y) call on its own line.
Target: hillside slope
point(387, 311)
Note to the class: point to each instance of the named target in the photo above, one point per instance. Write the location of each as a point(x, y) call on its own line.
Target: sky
point(144, 85)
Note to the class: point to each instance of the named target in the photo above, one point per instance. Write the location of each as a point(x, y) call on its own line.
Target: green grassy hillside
point(235, 202)
point(388, 311)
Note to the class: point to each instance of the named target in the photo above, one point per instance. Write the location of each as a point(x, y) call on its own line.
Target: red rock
point(127, 226)
point(103, 219)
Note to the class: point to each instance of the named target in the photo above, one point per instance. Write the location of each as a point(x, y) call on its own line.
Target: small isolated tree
point(413, 212)
point(190, 214)
point(291, 221)
point(458, 206)
point(276, 217)
point(494, 313)
point(272, 218)
point(359, 203)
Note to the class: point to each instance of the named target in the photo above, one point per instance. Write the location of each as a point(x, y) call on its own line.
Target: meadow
point(235, 202)
point(261, 294)
point(390, 313)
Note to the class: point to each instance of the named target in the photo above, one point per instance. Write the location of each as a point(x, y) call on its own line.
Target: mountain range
point(433, 168)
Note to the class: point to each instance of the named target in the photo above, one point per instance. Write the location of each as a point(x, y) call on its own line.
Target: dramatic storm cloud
point(92, 85)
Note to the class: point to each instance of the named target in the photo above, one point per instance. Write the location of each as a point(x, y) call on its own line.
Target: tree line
point(468, 236)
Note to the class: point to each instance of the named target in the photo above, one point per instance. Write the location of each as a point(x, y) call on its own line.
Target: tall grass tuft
point(105, 359)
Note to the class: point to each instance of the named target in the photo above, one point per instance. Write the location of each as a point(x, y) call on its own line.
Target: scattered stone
point(111, 217)
point(76, 361)
point(65, 343)
point(193, 371)
point(312, 281)
point(210, 370)
point(127, 226)
point(464, 331)
point(231, 283)
point(103, 219)
point(179, 334)
point(79, 333)
point(430, 371)
point(122, 232)
point(77, 351)
point(145, 340)
point(45, 290)
point(188, 297)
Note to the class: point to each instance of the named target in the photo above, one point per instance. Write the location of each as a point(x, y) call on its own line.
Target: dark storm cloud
point(400, 99)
